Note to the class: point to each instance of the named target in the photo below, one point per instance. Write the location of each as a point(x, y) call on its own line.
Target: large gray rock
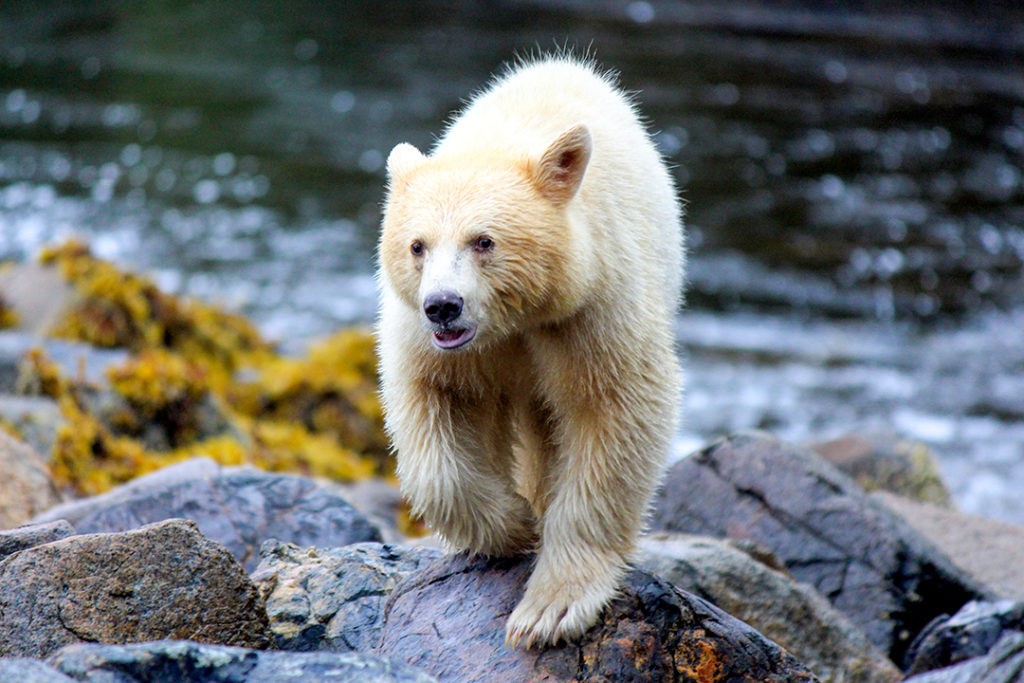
point(872, 566)
point(989, 550)
point(31, 535)
point(790, 613)
point(25, 670)
point(332, 598)
point(188, 662)
point(449, 619)
point(239, 507)
point(161, 581)
point(26, 488)
point(1004, 663)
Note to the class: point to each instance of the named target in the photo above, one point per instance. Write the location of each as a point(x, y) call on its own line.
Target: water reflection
point(851, 175)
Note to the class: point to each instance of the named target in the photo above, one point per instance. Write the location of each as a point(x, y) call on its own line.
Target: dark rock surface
point(790, 613)
point(449, 619)
point(26, 488)
point(188, 662)
point(25, 670)
point(971, 632)
point(862, 557)
point(161, 581)
point(332, 598)
point(30, 535)
point(989, 550)
point(1004, 663)
point(239, 507)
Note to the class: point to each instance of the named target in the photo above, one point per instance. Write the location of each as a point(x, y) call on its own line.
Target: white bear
point(531, 267)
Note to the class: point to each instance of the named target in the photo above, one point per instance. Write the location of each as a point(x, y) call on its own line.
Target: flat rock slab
point(31, 535)
point(187, 662)
point(26, 488)
point(239, 507)
point(870, 564)
point(790, 613)
point(332, 598)
point(449, 619)
point(161, 581)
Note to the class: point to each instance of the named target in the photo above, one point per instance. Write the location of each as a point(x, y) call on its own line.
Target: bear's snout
point(442, 308)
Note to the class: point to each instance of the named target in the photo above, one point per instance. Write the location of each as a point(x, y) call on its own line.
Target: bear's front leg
point(455, 468)
point(610, 456)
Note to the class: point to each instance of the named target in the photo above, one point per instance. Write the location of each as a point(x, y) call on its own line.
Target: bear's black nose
point(442, 307)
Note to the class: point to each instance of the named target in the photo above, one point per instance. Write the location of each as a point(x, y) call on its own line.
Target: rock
point(332, 599)
point(189, 662)
point(38, 294)
point(31, 535)
point(872, 566)
point(239, 507)
point(161, 581)
point(379, 501)
point(81, 363)
point(449, 619)
point(988, 550)
point(885, 462)
point(26, 488)
point(36, 418)
point(791, 614)
point(26, 670)
point(1004, 663)
point(970, 633)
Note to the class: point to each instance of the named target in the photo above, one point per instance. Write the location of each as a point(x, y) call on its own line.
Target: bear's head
point(483, 244)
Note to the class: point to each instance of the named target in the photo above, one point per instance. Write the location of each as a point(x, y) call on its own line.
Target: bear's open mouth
point(449, 339)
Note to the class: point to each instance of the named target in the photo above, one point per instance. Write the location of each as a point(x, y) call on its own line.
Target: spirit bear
point(531, 267)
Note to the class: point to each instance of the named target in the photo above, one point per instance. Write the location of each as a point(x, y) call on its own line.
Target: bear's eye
point(483, 244)
point(416, 248)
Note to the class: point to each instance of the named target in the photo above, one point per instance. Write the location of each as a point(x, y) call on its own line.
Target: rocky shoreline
point(155, 525)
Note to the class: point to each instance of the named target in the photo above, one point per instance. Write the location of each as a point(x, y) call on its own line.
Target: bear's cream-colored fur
point(531, 266)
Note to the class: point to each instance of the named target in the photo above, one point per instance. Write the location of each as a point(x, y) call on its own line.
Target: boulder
point(332, 598)
point(870, 564)
point(161, 581)
point(26, 488)
point(971, 632)
point(25, 670)
point(1004, 663)
point(239, 507)
point(31, 535)
point(449, 619)
point(885, 462)
point(989, 550)
point(189, 662)
point(790, 613)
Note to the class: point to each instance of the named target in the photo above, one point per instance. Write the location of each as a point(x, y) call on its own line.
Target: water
point(854, 180)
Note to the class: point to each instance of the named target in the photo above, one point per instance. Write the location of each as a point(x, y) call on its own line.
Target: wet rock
point(36, 418)
point(971, 632)
point(25, 670)
point(31, 535)
point(872, 566)
point(449, 619)
point(161, 581)
point(26, 488)
point(1004, 663)
point(885, 462)
point(989, 550)
point(791, 614)
point(239, 507)
point(188, 662)
point(332, 598)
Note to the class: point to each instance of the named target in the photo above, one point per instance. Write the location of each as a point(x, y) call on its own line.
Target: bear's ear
point(403, 158)
point(559, 171)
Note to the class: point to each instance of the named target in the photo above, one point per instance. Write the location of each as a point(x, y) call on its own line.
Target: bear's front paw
point(555, 612)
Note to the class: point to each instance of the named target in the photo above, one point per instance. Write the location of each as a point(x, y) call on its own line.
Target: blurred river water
point(854, 179)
